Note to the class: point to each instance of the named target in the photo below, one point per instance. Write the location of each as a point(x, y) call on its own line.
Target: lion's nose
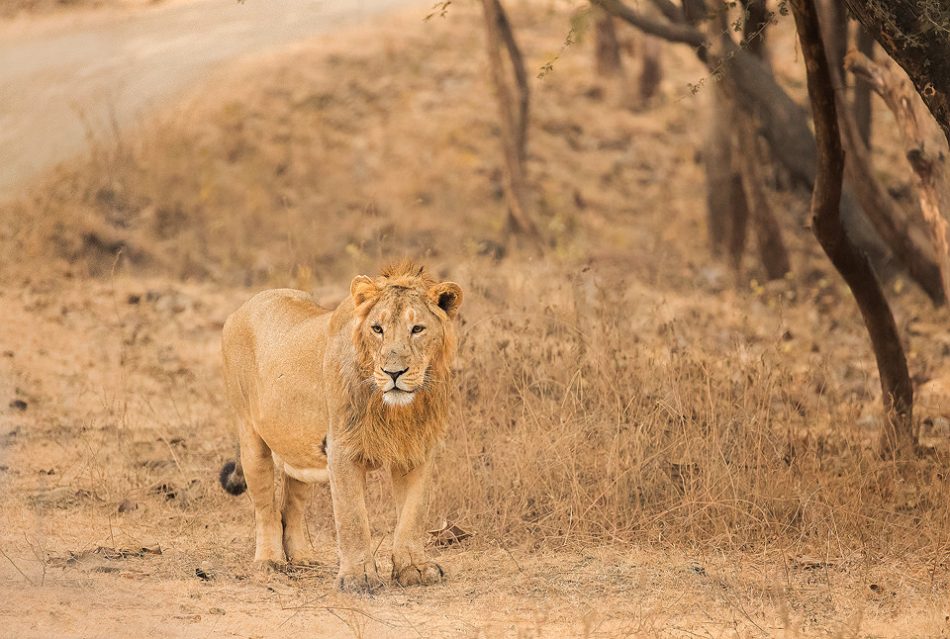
point(395, 374)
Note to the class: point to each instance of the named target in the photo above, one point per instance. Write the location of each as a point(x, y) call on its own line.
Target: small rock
point(201, 574)
point(18, 404)
point(126, 506)
point(134, 299)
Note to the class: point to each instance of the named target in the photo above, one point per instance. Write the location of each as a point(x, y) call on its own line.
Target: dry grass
point(624, 392)
point(12, 8)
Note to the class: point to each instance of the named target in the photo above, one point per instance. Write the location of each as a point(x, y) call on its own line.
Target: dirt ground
point(118, 273)
point(99, 68)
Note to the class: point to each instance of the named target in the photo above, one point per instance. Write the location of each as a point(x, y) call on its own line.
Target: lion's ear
point(362, 288)
point(447, 296)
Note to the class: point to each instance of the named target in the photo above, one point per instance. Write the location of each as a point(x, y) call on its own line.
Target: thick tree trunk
point(513, 102)
point(862, 90)
point(902, 101)
point(898, 438)
point(914, 33)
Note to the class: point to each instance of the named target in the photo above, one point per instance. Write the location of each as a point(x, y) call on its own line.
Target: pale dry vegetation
point(623, 395)
point(11, 8)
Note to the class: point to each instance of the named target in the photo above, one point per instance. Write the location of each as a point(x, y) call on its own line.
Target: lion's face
point(404, 329)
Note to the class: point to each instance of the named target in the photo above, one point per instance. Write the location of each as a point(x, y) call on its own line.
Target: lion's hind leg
point(293, 511)
point(258, 470)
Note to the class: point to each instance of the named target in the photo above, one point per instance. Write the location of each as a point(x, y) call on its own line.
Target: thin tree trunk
point(651, 68)
point(862, 90)
point(717, 163)
point(898, 438)
point(901, 100)
point(833, 20)
point(753, 28)
point(521, 80)
point(513, 102)
point(608, 62)
point(752, 157)
point(739, 223)
point(768, 233)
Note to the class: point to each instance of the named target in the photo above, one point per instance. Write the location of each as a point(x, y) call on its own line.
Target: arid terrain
point(642, 442)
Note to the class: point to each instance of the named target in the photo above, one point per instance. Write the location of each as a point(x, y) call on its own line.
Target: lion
point(327, 395)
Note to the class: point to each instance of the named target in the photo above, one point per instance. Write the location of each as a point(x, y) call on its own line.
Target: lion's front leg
point(358, 571)
point(411, 567)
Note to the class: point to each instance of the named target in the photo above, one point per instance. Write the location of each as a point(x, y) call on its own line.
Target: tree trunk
point(833, 20)
point(891, 221)
point(914, 33)
point(717, 163)
point(783, 123)
point(768, 233)
point(606, 47)
point(753, 28)
point(862, 90)
point(513, 102)
point(651, 69)
point(898, 438)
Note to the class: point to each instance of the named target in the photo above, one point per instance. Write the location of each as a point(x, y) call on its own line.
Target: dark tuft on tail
point(232, 478)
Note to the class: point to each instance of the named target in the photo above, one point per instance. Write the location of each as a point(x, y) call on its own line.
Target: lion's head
point(405, 333)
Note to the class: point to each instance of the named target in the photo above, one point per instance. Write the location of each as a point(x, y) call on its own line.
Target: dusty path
point(64, 75)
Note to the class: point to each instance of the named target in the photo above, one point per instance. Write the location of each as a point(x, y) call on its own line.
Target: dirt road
point(64, 76)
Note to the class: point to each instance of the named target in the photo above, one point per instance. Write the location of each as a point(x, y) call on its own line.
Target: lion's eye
point(417, 329)
point(377, 329)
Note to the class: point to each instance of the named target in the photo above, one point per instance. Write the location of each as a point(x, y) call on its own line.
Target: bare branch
point(673, 32)
point(902, 101)
point(669, 10)
point(915, 34)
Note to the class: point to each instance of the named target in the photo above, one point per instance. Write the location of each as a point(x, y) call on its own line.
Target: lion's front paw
point(424, 573)
point(360, 582)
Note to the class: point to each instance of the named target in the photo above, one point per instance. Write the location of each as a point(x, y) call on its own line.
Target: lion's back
point(256, 334)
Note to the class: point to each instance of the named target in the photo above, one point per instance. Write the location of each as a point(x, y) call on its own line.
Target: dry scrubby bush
point(582, 415)
point(583, 421)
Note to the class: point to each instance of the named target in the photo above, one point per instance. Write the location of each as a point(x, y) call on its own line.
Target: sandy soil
point(114, 520)
point(78, 75)
point(113, 426)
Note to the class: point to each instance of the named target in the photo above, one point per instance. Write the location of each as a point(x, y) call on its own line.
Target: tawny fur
point(299, 375)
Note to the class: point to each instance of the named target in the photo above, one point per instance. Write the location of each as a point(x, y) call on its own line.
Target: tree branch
point(901, 100)
point(917, 36)
point(673, 32)
point(669, 10)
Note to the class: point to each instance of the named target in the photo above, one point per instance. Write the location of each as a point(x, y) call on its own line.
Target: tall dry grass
point(640, 399)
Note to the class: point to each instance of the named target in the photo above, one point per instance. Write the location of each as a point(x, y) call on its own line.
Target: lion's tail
point(232, 478)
